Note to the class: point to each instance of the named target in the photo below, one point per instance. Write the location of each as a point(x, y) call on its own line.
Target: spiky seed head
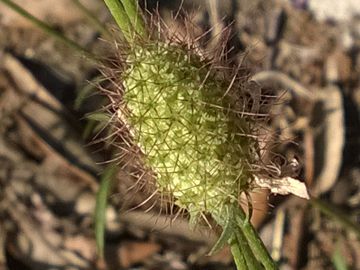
point(189, 123)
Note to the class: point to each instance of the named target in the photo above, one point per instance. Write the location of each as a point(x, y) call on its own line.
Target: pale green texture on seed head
point(185, 125)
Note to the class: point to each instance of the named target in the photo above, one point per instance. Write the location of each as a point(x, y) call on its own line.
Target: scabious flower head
point(190, 123)
point(187, 123)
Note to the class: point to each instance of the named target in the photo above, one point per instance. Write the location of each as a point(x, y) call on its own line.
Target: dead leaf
point(284, 186)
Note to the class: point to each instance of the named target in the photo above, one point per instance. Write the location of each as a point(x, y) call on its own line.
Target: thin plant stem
point(119, 14)
point(132, 10)
point(336, 215)
point(249, 256)
point(107, 179)
point(238, 255)
point(51, 31)
point(255, 241)
point(93, 19)
point(246, 245)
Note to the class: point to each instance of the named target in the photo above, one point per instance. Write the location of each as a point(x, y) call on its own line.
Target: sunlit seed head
point(186, 127)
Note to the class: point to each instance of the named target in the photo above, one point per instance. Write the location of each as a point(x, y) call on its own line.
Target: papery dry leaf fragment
point(284, 186)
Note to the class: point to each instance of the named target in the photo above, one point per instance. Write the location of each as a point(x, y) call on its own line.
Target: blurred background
point(307, 52)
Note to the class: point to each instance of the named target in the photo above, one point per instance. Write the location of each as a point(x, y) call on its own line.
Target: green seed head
point(187, 120)
point(189, 125)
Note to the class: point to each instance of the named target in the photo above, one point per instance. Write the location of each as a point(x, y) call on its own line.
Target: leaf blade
point(100, 209)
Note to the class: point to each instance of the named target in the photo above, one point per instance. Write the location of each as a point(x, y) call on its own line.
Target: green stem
point(246, 246)
point(132, 9)
point(251, 261)
point(119, 14)
point(254, 240)
point(335, 214)
point(93, 19)
point(101, 204)
point(51, 31)
point(238, 255)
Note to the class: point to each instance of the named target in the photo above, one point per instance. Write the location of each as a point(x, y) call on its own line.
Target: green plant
point(179, 67)
point(187, 126)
